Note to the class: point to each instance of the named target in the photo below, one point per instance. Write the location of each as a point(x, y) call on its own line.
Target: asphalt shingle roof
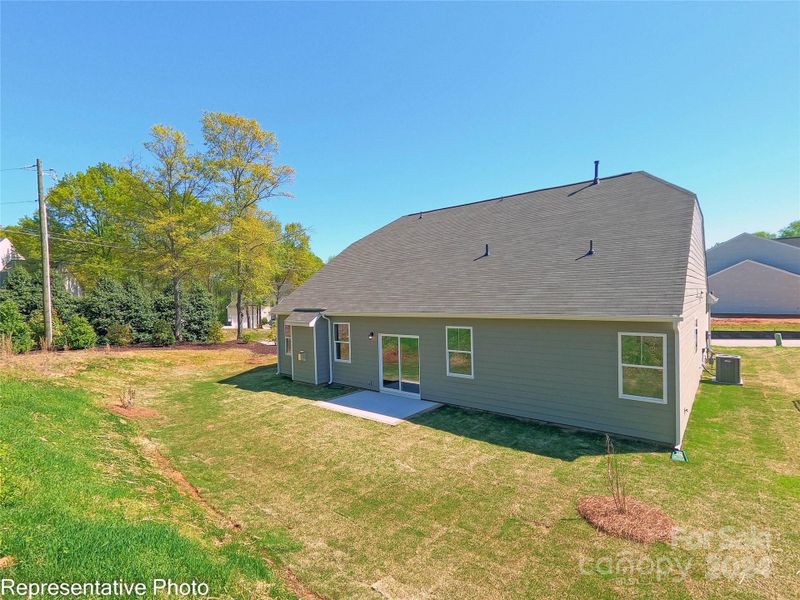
point(431, 262)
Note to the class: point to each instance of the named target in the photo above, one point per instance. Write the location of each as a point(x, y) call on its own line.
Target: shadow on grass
point(528, 436)
point(266, 379)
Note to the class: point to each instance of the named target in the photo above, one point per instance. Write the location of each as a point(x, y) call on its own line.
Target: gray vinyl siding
point(695, 310)
point(557, 371)
point(303, 342)
point(284, 360)
point(323, 350)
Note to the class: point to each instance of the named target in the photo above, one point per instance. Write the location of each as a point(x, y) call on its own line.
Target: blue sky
point(386, 109)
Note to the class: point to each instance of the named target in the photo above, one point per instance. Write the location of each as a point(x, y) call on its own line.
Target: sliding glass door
point(399, 364)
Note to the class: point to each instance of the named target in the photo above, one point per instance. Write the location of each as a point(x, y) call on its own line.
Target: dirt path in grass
point(163, 464)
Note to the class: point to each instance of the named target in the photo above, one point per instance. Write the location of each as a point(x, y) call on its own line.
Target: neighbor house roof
point(776, 253)
point(433, 262)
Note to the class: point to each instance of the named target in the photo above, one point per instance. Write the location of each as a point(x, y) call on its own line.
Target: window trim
point(288, 348)
point(663, 367)
point(349, 345)
point(471, 352)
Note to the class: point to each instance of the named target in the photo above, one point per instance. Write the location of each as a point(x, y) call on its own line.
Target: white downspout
point(330, 347)
point(677, 359)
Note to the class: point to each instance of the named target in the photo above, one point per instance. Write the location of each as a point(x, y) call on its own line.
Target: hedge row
point(113, 312)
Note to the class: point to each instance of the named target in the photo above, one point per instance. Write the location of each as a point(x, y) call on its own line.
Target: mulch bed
point(640, 523)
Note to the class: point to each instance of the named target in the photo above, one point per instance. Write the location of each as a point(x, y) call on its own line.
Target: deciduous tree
point(172, 214)
point(296, 261)
point(241, 155)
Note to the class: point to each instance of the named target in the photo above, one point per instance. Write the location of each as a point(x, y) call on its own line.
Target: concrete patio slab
point(384, 408)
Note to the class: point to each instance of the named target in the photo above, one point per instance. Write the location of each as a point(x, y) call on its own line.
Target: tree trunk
point(239, 314)
point(176, 287)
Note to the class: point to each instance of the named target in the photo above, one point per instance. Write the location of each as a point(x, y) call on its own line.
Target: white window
point(642, 366)
point(341, 342)
point(459, 352)
point(287, 340)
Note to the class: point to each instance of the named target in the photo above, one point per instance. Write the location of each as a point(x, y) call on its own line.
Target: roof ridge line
point(544, 189)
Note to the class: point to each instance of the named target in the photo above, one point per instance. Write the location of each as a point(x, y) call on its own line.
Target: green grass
point(254, 334)
point(465, 504)
point(78, 502)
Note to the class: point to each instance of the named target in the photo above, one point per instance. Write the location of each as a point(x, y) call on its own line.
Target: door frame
point(397, 392)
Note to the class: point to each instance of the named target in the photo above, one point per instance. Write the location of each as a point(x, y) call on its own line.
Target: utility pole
point(47, 303)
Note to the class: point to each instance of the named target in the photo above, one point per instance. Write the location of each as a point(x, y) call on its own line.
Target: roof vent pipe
point(596, 167)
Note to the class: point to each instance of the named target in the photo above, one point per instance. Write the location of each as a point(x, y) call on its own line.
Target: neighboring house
point(752, 275)
point(252, 314)
point(8, 255)
point(583, 305)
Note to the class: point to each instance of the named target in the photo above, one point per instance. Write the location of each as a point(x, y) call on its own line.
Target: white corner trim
point(314, 336)
point(677, 342)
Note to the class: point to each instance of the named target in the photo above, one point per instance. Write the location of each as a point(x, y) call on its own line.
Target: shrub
point(198, 313)
point(139, 310)
point(13, 329)
point(127, 397)
point(20, 288)
point(105, 305)
point(26, 291)
point(119, 335)
point(272, 334)
point(247, 337)
point(78, 334)
point(215, 334)
point(36, 323)
point(162, 334)
point(264, 321)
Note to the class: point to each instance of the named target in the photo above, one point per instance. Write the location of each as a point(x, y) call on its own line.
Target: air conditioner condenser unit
point(729, 369)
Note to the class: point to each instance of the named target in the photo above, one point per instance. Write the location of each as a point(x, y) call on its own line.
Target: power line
point(70, 240)
point(2, 203)
point(27, 168)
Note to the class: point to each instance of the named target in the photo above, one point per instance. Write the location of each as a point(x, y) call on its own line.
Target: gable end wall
point(695, 310)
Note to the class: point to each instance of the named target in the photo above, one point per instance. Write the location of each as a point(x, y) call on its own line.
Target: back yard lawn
point(456, 504)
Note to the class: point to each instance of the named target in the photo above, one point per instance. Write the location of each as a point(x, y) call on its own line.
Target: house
point(752, 275)
point(8, 255)
point(252, 314)
point(584, 305)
